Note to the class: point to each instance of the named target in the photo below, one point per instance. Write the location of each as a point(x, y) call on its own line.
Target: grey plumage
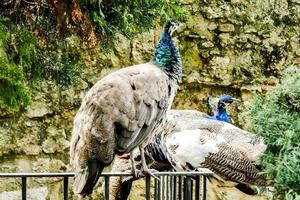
point(120, 111)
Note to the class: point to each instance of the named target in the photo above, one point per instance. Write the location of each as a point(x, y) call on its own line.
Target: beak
point(180, 27)
point(235, 99)
point(226, 104)
point(177, 28)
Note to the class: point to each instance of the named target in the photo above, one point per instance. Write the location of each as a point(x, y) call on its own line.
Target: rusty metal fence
point(172, 185)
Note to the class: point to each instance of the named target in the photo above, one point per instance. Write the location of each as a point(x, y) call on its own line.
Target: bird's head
point(166, 55)
point(171, 26)
point(225, 100)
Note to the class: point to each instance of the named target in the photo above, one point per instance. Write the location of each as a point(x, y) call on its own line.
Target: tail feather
point(86, 179)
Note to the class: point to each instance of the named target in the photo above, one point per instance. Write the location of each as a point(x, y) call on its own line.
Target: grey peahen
point(120, 112)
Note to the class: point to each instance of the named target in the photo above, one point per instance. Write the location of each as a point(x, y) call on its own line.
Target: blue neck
point(167, 56)
point(221, 115)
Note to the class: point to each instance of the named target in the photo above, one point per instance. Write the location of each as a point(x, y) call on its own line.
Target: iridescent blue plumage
point(166, 55)
point(221, 112)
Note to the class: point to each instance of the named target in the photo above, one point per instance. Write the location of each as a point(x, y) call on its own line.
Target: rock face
point(235, 47)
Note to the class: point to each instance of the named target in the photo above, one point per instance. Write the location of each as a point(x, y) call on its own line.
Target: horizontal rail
point(201, 171)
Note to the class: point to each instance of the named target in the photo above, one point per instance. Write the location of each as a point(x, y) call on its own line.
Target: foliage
point(35, 45)
point(276, 117)
point(24, 61)
point(130, 17)
point(13, 92)
point(174, 9)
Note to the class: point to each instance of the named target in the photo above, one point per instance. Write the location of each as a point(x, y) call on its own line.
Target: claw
point(135, 176)
point(136, 173)
point(151, 173)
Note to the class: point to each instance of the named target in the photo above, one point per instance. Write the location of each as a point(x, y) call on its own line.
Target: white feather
point(191, 147)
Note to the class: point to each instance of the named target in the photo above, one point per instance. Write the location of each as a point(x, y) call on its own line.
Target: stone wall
point(228, 46)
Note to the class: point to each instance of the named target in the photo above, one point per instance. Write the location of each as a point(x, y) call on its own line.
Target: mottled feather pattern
point(118, 113)
point(234, 165)
point(247, 142)
point(220, 146)
point(189, 137)
point(189, 140)
point(127, 104)
point(203, 148)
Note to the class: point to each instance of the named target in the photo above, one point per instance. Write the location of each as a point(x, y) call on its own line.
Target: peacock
point(121, 111)
point(189, 140)
point(243, 141)
point(221, 111)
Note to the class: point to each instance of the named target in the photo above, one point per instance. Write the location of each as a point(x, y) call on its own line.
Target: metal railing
point(172, 185)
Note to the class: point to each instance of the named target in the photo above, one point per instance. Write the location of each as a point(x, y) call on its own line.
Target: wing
point(234, 165)
point(152, 96)
point(186, 114)
point(245, 141)
point(192, 149)
point(120, 111)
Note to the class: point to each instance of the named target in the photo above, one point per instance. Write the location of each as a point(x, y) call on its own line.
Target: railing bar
point(179, 188)
point(171, 187)
point(203, 171)
point(156, 189)
point(163, 187)
point(148, 191)
point(184, 189)
point(188, 188)
point(204, 188)
point(106, 187)
point(197, 188)
point(66, 183)
point(24, 183)
point(192, 188)
point(175, 187)
point(167, 187)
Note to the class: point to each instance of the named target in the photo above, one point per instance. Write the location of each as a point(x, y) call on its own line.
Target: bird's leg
point(145, 168)
point(133, 167)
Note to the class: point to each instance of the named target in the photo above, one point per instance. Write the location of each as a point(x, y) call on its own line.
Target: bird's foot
point(151, 173)
point(136, 174)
